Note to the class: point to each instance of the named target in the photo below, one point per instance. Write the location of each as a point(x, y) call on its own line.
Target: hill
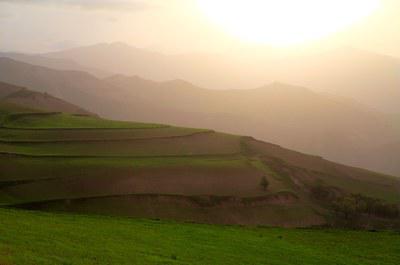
point(14, 95)
point(79, 88)
point(295, 117)
point(63, 162)
point(41, 238)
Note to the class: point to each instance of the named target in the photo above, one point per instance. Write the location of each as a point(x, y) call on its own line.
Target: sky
point(169, 26)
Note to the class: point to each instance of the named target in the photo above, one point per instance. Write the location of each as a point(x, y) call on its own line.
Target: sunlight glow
point(285, 22)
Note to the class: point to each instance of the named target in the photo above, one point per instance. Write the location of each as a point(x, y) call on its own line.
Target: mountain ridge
point(346, 71)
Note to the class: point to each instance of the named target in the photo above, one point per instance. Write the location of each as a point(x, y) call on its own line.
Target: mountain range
point(54, 63)
point(369, 78)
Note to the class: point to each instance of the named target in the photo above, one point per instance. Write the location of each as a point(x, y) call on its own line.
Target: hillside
point(295, 117)
point(14, 95)
point(76, 87)
point(159, 171)
point(41, 238)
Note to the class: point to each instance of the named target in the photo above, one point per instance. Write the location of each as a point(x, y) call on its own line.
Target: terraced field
point(64, 162)
point(49, 120)
point(88, 135)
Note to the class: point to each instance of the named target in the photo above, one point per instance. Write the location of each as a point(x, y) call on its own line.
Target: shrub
point(351, 207)
point(264, 183)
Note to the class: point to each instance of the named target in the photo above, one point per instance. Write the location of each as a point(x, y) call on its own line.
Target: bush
point(351, 207)
point(264, 183)
point(348, 208)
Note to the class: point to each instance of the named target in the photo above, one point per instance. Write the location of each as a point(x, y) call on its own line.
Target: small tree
point(264, 183)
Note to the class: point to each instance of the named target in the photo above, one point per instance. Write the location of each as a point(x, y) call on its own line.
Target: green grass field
point(42, 238)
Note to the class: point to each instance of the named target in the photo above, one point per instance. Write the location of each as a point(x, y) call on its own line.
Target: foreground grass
point(43, 238)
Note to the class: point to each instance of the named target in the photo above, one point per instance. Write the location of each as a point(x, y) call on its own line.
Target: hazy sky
point(171, 26)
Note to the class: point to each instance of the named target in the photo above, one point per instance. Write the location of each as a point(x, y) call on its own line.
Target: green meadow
point(46, 238)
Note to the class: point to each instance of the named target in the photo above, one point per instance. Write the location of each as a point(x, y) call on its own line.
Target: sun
point(285, 22)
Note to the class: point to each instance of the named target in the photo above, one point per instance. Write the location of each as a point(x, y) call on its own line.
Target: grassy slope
point(108, 161)
point(42, 238)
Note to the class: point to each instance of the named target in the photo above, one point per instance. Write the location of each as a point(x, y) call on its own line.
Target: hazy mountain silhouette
point(370, 78)
point(206, 70)
point(367, 77)
point(54, 63)
point(292, 116)
point(117, 58)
